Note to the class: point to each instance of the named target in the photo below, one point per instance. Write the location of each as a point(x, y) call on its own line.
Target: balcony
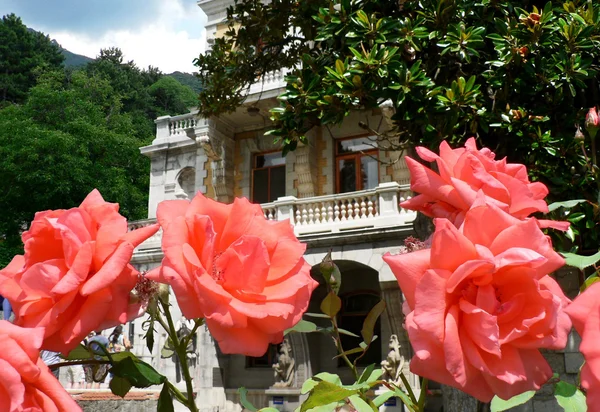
point(319, 218)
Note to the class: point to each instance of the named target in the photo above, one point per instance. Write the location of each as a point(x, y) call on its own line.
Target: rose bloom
point(226, 263)
point(75, 276)
point(479, 304)
point(585, 314)
point(462, 174)
point(27, 384)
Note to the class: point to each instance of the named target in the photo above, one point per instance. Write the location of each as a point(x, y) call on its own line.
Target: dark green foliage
point(171, 97)
point(70, 137)
point(518, 75)
point(188, 79)
point(24, 55)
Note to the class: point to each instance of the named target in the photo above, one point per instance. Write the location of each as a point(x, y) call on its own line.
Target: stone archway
point(359, 292)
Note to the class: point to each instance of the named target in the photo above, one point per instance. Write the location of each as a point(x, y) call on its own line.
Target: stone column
point(306, 168)
point(216, 141)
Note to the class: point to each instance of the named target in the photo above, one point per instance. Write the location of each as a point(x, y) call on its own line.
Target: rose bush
point(585, 314)
point(479, 303)
point(27, 384)
point(75, 275)
point(463, 172)
point(226, 263)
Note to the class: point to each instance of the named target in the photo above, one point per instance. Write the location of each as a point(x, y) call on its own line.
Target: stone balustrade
point(375, 208)
point(269, 81)
point(368, 209)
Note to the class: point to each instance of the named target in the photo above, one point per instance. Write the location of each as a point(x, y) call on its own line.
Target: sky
point(167, 34)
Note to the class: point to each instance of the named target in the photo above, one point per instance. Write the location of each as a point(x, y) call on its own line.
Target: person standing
point(118, 342)
point(98, 344)
point(51, 358)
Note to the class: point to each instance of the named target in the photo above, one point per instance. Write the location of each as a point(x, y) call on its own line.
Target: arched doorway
point(359, 292)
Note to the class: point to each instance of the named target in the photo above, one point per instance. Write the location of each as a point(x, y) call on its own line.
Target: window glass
point(369, 172)
point(347, 171)
point(269, 160)
point(260, 186)
point(268, 177)
point(277, 183)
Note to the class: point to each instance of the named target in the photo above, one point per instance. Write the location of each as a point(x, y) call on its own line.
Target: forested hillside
point(66, 130)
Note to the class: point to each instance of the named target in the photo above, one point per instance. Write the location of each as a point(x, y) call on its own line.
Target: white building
point(340, 194)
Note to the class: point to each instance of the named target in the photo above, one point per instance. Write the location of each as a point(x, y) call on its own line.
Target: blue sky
point(167, 34)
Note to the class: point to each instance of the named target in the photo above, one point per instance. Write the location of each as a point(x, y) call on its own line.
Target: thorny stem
point(181, 353)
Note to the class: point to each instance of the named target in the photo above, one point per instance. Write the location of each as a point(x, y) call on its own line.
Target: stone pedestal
point(284, 399)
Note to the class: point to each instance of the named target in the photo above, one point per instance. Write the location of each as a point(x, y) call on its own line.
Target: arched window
point(186, 182)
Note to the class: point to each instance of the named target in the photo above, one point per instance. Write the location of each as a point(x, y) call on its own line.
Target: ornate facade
point(337, 198)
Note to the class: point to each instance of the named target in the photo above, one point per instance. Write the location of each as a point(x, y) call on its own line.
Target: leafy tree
point(131, 84)
point(24, 55)
point(172, 97)
point(518, 75)
point(69, 137)
point(187, 79)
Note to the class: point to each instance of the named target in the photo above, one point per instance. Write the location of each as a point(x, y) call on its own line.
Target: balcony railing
point(368, 209)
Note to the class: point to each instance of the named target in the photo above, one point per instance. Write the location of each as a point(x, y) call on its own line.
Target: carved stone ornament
point(393, 364)
point(283, 370)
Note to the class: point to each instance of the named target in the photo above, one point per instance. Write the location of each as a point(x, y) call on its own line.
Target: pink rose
point(226, 263)
point(75, 276)
point(27, 384)
point(479, 304)
point(466, 171)
point(585, 314)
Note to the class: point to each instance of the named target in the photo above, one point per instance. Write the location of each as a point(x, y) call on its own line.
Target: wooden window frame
point(253, 168)
point(356, 156)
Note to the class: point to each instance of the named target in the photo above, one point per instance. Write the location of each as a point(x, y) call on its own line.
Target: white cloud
point(170, 42)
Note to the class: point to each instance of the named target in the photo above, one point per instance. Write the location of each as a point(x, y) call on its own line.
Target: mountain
point(72, 59)
point(187, 79)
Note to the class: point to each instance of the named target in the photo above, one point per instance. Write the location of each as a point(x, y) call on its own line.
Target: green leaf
point(359, 404)
point(349, 352)
point(325, 393)
point(366, 373)
point(370, 320)
point(137, 372)
point(244, 400)
point(165, 401)
point(79, 353)
point(303, 326)
point(149, 336)
point(323, 376)
point(331, 305)
point(567, 204)
point(499, 405)
point(339, 67)
point(347, 333)
point(381, 399)
point(580, 262)
point(570, 397)
point(119, 386)
point(316, 315)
